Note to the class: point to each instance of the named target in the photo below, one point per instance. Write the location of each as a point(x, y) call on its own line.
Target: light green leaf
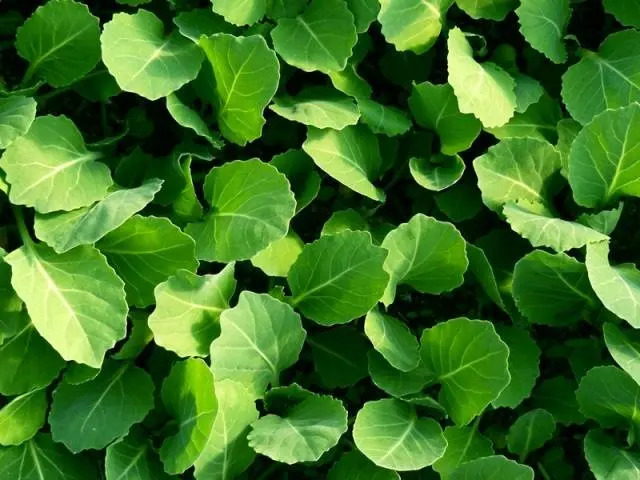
point(486, 468)
point(28, 361)
point(391, 435)
point(319, 107)
point(252, 205)
point(247, 73)
point(51, 169)
point(627, 12)
point(604, 222)
point(607, 460)
point(227, 453)
point(133, 458)
point(60, 41)
point(603, 163)
point(553, 289)
point(426, 254)
point(539, 121)
point(470, 361)
point(22, 417)
point(382, 119)
point(435, 107)
point(42, 458)
point(339, 356)
point(302, 434)
point(355, 466)
point(189, 397)
point(543, 25)
point(17, 113)
point(412, 24)
point(143, 60)
point(350, 82)
point(351, 156)
point(396, 382)
point(298, 167)
point(617, 287)
point(489, 9)
point(241, 12)
point(195, 23)
point(624, 347)
point(276, 260)
point(188, 308)
point(484, 90)
point(438, 173)
point(186, 117)
point(524, 366)
point(517, 169)
point(393, 340)
point(557, 396)
point(609, 396)
point(322, 279)
point(327, 31)
point(530, 432)
point(146, 251)
point(93, 414)
point(342, 220)
point(65, 230)
point(364, 13)
point(608, 78)
point(463, 444)
point(75, 299)
point(542, 229)
point(260, 337)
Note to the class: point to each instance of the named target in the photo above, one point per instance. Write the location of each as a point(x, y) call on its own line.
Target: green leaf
point(133, 458)
point(517, 169)
point(303, 433)
point(247, 73)
point(10, 303)
point(625, 11)
point(485, 275)
point(552, 289)
point(484, 90)
point(487, 467)
point(528, 91)
point(186, 117)
point(78, 373)
point(382, 119)
point(322, 279)
point(602, 162)
point(41, 458)
point(201, 21)
point(188, 307)
point(524, 366)
point(393, 340)
point(530, 432)
point(64, 231)
point(277, 9)
point(139, 337)
point(463, 445)
point(435, 107)
point(351, 156)
point(364, 13)
point(604, 222)
point(438, 173)
point(557, 396)
point(355, 466)
point(339, 356)
point(426, 254)
point(93, 414)
point(568, 130)
point(542, 229)
point(396, 382)
point(189, 397)
point(617, 287)
point(17, 113)
point(350, 82)
point(609, 396)
point(461, 201)
point(412, 25)
point(22, 417)
point(319, 107)
point(146, 251)
point(543, 25)
point(276, 260)
point(246, 12)
point(260, 337)
point(607, 460)
point(608, 78)
point(227, 453)
point(326, 29)
point(470, 361)
point(298, 167)
point(75, 300)
point(51, 169)
point(342, 220)
point(242, 222)
point(489, 9)
point(390, 434)
point(60, 41)
point(143, 60)
point(624, 347)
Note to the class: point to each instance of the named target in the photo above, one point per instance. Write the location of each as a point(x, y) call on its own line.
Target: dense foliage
point(341, 239)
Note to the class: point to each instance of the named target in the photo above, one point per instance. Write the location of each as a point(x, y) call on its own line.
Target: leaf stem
point(25, 236)
point(28, 75)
